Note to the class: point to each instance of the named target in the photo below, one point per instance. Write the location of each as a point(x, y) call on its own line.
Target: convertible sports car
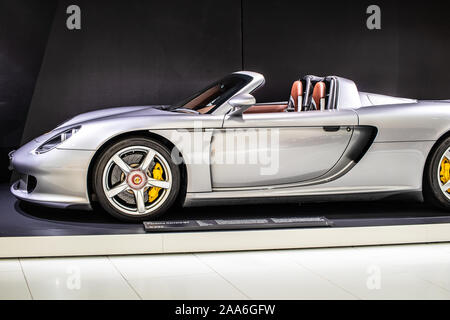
point(327, 142)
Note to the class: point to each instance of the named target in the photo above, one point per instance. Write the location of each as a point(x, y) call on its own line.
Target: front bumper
point(57, 178)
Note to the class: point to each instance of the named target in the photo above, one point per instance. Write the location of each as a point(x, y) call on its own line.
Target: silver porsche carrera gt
point(329, 141)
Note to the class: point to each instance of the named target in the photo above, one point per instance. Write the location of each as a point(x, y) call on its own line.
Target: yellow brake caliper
point(158, 175)
point(445, 171)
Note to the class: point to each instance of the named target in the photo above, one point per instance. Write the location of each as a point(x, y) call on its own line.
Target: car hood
point(107, 113)
point(116, 112)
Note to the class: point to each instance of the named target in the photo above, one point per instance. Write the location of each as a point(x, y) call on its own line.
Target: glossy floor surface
point(379, 272)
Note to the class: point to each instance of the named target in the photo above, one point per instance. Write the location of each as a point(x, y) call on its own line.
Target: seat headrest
point(319, 93)
point(296, 96)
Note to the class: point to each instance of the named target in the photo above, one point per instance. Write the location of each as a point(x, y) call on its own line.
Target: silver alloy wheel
point(444, 186)
point(137, 180)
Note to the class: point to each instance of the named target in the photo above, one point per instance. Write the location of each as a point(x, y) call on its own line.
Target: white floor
point(384, 272)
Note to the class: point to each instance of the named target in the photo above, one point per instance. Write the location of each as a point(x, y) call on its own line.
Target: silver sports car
point(329, 141)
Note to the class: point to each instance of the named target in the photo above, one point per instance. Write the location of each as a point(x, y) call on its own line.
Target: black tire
point(432, 185)
point(103, 160)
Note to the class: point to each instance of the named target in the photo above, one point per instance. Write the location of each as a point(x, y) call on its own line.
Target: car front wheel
point(437, 176)
point(136, 180)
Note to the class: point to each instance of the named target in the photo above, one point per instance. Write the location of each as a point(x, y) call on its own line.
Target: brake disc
point(117, 176)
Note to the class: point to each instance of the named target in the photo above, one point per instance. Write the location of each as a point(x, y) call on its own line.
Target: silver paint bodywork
point(392, 135)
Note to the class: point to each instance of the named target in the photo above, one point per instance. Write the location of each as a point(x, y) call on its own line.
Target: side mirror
point(240, 103)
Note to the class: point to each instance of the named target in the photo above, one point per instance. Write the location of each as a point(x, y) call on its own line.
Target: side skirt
point(211, 199)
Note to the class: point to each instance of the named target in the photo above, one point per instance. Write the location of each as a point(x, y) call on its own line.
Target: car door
point(268, 149)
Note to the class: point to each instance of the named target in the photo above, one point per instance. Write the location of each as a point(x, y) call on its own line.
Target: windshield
point(214, 95)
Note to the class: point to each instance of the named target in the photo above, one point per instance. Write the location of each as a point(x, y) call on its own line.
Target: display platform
point(236, 224)
point(30, 231)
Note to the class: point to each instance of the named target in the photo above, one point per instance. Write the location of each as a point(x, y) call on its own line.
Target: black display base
point(21, 219)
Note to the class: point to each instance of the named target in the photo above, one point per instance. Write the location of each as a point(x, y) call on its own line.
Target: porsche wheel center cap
point(136, 179)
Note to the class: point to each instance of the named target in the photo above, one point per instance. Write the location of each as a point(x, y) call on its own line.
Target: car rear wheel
point(136, 180)
point(437, 176)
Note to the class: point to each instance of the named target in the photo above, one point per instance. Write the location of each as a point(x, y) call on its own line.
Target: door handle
point(331, 128)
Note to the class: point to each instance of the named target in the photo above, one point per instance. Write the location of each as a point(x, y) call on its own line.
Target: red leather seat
point(319, 94)
point(296, 98)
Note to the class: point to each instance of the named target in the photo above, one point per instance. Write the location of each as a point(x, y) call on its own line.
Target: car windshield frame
point(235, 82)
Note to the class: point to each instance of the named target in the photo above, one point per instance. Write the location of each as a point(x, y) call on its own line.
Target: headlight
point(57, 140)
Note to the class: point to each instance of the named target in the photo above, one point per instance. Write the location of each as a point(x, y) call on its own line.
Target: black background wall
point(24, 28)
point(133, 53)
point(149, 52)
point(407, 57)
